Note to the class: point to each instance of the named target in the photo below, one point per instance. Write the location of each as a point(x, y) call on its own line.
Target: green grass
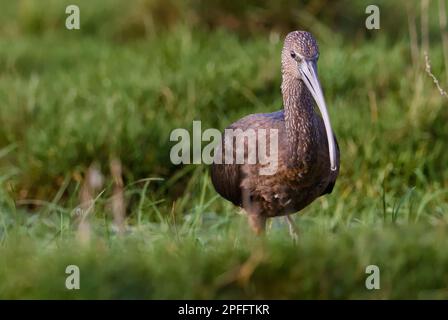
point(70, 99)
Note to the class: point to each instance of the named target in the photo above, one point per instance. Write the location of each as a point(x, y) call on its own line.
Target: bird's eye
point(293, 54)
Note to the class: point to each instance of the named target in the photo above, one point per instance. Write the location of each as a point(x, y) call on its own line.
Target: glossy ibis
point(307, 153)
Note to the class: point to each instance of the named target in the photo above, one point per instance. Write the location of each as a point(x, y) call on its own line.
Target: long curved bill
point(309, 76)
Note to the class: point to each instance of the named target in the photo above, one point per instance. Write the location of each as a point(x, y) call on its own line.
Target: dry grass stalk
point(92, 184)
point(412, 26)
point(242, 273)
point(444, 34)
point(117, 202)
point(373, 106)
point(442, 92)
point(425, 25)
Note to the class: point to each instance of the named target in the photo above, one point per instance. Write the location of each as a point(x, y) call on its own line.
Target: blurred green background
point(86, 179)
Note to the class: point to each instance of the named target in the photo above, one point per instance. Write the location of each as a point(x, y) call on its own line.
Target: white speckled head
point(298, 45)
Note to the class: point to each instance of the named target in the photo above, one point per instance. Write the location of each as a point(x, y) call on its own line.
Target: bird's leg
point(257, 223)
point(293, 230)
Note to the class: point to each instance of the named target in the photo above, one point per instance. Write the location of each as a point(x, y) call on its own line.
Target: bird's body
point(305, 169)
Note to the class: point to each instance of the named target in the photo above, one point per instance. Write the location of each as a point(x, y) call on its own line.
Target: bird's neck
point(300, 121)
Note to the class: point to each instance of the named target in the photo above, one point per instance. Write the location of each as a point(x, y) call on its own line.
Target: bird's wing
point(227, 178)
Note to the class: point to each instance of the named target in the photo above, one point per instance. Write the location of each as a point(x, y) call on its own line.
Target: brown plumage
point(307, 158)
